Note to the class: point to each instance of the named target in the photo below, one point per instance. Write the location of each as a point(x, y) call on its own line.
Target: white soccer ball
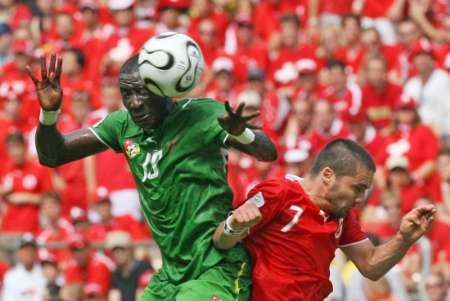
point(171, 64)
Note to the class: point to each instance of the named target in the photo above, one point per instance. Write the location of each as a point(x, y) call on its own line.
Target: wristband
point(246, 137)
point(228, 230)
point(49, 117)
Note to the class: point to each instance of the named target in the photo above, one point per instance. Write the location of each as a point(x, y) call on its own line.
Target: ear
point(328, 176)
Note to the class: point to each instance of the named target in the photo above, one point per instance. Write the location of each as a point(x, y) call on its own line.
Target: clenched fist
point(245, 217)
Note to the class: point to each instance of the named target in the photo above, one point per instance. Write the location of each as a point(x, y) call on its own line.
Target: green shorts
point(224, 282)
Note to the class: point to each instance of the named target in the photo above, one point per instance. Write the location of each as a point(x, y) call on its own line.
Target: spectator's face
point(444, 167)
point(351, 30)
point(328, 40)
point(81, 106)
point(27, 255)
point(207, 32)
point(245, 33)
point(64, 26)
point(289, 34)
point(81, 255)
point(346, 192)
point(307, 81)
point(392, 207)
point(323, 115)
point(203, 7)
point(406, 117)
point(7, 3)
point(104, 210)
point(170, 17)
point(357, 129)
point(12, 108)
point(408, 33)
point(45, 6)
point(70, 65)
point(436, 288)
point(50, 272)
point(123, 17)
point(338, 79)
point(398, 177)
point(5, 42)
point(303, 113)
point(111, 98)
point(90, 16)
point(424, 63)
point(376, 73)
point(224, 80)
point(121, 255)
point(446, 28)
point(21, 60)
point(17, 152)
point(371, 40)
point(51, 209)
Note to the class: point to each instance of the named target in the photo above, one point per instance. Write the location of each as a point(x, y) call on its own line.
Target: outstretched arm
point(53, 148)
point(373, 262)
point(258, 146)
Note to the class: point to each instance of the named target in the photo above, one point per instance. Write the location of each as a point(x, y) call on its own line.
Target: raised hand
point(245, 217)
point(416, 222)
point(48, 88)
point(234, 122)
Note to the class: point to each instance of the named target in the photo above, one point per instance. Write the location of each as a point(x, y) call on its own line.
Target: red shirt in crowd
point(320, 138)
point(293, 245)
point(98, 232)
point(27, 178)
point(349, 100)
point(97, 271)
point(56, 233)
point(379, 106)
point(439, 240)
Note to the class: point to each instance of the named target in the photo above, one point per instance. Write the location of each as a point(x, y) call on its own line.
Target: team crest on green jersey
point(131, 149)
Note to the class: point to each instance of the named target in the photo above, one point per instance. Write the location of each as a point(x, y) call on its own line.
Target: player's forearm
point(385, 256)
point(55, 149)
point(261, 148)
point(224, 241)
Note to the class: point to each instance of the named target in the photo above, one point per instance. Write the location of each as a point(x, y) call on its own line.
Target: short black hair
point(15, 137)
point(130, 66)
point(344, 157)
point(332, 63)
point(354, 17)
point(80, 56)
point(290, 18)
point(444, 151)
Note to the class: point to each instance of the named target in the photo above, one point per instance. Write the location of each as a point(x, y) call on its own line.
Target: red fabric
point(342, 7)
point(379, 106)
point(97, 271)
point(27, 178)
point(320, 138)
point(111, 168)
point(4, 267)
point(343, 101)
point(376, 8)
point(218, 18)
point(294, 263)
point(353, 58)
point(245, 58)
point(439, 239)
point(21, 15)
point(74, 195)
point(56, 233)
point(127, 223)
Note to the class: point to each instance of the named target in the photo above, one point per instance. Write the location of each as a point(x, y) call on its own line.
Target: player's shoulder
point(279, 186)
point(201, 104)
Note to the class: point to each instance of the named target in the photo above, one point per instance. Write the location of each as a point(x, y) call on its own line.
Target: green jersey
point(180, 172)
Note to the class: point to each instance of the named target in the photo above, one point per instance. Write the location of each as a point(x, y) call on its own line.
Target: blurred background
point(375, 71)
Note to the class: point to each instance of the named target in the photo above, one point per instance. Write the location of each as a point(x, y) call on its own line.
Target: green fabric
point(230, 282)
point(180, 172)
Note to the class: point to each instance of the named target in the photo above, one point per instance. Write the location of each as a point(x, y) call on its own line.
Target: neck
point(28, 267)
point(424, 76)
point(314, 191)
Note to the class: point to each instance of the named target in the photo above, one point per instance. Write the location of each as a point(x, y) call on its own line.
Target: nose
point(135, 102)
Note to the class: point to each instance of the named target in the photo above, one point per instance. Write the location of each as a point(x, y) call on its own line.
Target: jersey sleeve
point(108, 129)
point(268, 196)
point(206, 113)
point(351, 231)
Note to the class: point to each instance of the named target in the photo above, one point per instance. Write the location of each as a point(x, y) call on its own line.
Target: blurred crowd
point(376, 71)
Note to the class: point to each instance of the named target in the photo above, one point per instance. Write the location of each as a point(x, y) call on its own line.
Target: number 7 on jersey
point(298, 214)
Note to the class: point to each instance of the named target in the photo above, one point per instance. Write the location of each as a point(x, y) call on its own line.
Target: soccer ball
point(171, 64)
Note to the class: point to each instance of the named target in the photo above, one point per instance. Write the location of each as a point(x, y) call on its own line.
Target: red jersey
point(59, 232)
point(27, 178)
point(293, 245)
point(97, 271)
point(127, 223)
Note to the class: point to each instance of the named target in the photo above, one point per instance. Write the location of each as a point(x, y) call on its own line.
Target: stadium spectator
point(352, 53)
point(345, 96)
point(377, 290)
point(170, 16)
point(299, 128)
point(107, 222)
point(208, 41)
point(89, 272)
point(327, 126)
point(25, 281)
point(223, 68)
point(126, 276)
point(23, 183)
point(436, 286)
point(378, 95)
point(53, 227)
point(430, 88)
point(15, 14)
point(5, 43)
point(306, 85)
point(52, 278)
